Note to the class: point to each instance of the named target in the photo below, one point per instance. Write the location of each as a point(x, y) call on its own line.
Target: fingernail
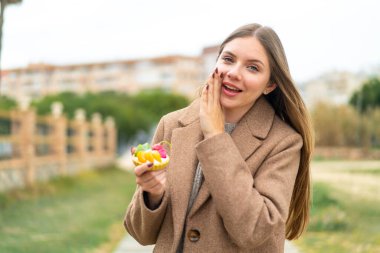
point(207, 87)
point(150, 165)
point(221, 75)
point(216, 70)
point(213, 75)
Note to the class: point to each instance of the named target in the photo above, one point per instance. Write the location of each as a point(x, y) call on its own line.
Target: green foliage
point(131, 113)
point(70, 101)
point(7, 103)
point(157, 102)
point(342, 125)
point(68, 214)
point(322, 197)
point(336, 125)
point(327, 212)
point(341, 222)
point(368, 96)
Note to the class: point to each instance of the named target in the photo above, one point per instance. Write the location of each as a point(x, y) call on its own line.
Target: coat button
point(193, 235)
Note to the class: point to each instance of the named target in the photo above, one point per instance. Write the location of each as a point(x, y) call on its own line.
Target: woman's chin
point(226, 104)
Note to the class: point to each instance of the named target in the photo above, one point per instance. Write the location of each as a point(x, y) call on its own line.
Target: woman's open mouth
point(230, 90)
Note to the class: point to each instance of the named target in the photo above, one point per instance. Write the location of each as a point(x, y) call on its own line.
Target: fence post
point(97, 138)
point(111, 136)
point(81, 136)
point(59, 124)
point(27, 119)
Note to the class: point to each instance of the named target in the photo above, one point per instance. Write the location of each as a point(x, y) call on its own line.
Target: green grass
point(341, 223)
point(327, 211)
point(364, 171)
point(318, 158)
point(68, 214)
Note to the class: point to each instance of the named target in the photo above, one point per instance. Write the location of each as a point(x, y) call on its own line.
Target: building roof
point(210, 50)
point(50, 67)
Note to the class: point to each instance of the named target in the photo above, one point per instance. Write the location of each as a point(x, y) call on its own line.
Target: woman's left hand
point(211, 112)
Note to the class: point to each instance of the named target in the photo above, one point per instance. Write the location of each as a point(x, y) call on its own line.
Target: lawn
point(85, 213)
point(343, 220)
point(68, 214)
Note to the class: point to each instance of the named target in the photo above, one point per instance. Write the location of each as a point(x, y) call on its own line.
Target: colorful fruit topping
point(156, 154)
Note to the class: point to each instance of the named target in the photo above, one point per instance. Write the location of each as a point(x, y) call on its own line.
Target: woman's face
point(245, 66)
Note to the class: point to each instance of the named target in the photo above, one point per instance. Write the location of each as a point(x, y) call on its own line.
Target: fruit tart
point(155, 154)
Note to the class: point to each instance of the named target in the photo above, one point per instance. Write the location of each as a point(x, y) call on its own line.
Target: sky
point(319, 36)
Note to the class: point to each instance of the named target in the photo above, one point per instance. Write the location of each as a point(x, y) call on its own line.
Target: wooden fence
point(35, 148)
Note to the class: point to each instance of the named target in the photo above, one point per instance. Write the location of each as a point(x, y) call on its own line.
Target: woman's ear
point(270, 87)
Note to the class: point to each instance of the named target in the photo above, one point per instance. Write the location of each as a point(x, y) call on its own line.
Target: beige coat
point(243, 203)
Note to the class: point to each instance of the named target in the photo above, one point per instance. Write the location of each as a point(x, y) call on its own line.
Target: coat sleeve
point(252, 208)
point(141, 222)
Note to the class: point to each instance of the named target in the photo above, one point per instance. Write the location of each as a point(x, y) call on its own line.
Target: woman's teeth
point(231, 88)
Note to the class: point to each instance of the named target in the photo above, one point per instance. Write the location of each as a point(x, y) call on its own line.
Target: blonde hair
point(289, 106)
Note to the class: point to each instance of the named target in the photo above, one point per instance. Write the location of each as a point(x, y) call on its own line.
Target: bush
point(7, 103)
point(368, 97)
point(342, 125)
point(132, 114)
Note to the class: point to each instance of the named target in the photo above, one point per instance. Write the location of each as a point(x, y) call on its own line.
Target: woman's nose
point(234, 73)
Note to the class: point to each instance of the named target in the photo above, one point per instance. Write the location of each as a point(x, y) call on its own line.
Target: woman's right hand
point(211, 114)
point(152, 182)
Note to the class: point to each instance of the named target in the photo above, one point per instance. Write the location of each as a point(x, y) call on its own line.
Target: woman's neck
point(233, 115)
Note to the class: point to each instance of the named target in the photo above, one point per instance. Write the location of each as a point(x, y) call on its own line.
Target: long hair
point(290, 107)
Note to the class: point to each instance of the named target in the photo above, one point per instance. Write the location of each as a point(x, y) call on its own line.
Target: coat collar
point(191, 114)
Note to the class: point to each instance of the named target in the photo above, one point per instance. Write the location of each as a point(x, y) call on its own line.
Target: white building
point(333, 87)
point(209, 57)
point(181, 74)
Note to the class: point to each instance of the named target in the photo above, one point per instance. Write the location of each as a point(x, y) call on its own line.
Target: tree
point(336, 125)
point(343, 126)
point(4, 4)
point(157, 102)
point(132, 113)
point(7, 103)
point(368, 96)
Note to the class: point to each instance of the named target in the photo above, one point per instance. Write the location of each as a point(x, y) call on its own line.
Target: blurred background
point(83, 81)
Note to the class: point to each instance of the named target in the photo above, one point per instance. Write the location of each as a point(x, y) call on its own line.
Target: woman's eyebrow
point(250, 60)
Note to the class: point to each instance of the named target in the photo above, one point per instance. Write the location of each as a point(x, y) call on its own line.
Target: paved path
point(129, 245)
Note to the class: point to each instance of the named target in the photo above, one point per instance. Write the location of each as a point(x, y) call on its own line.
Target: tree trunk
point(3, 4)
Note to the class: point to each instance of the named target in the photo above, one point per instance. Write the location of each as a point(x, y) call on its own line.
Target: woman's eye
point(253, 68)
point(227, 59)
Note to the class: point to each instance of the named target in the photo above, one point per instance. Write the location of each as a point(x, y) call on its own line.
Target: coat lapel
point(247, 136)
point(183, 164)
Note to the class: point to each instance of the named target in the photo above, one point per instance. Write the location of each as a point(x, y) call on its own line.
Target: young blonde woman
point(238, 179)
